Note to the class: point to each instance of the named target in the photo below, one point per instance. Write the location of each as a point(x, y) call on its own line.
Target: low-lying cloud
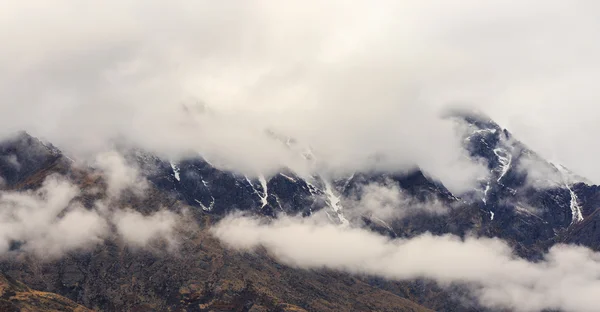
point(48, 221)
point(120, 175)
point(139, 230)
point(386, 201)
point(51, 221)
point(568, 278)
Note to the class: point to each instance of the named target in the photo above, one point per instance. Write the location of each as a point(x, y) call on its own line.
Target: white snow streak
point(263, 183)
point(210, 207)
point(334, 201)
point(278, 203)
point(522, 210)
point(288, 177)
point(206, 160)
point(492, 215)
point(348, 181)
point(575, 208)
point(577, 215)
point(387, 226)
point(504, 160)
point(484, 130)
point(487, 189)
point(311, 188)
point(175, 171)
point(264, 195)
point(480, 131)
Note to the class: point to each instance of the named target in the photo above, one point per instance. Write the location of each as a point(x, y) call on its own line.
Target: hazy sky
point(348, 79)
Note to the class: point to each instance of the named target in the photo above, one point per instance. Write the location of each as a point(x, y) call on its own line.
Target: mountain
point(202, 275)
point(528, 199)
point(525, 200)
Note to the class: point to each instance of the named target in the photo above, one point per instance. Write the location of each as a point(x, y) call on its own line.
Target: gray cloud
point(566, 279)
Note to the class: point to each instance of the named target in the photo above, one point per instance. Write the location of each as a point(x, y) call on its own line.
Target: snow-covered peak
point(506, 156)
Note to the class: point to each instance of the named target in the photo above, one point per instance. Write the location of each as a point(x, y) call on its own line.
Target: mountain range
point(525, 200)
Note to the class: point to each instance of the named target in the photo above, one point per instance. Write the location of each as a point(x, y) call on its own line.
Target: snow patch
point(210, 207)
point(485, 130)
point(278, 203)
point(176, 171)
point(335, 203)
point(262, 195)
point(575, 208)
point(387, 226)
point(567, 176)
point(487, 189)
point(311, 188)
point(522, 210)
point(263, 183)
point(207, 161)
point(492, 215)
point(287, 177)
point(505, 160)
point(468, 138)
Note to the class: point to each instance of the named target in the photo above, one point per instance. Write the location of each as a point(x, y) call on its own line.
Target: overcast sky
point(348, 79)
point(351, 79)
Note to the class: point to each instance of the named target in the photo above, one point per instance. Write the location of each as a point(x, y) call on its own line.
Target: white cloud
point(47, 222)
point(567, 278)
point(386, 201)
point(77, 229)
point(350, 80)
point(120, 175)
point(51, 221)
point(140, 230)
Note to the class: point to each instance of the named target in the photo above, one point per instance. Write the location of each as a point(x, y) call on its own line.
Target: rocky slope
point(16, 297)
